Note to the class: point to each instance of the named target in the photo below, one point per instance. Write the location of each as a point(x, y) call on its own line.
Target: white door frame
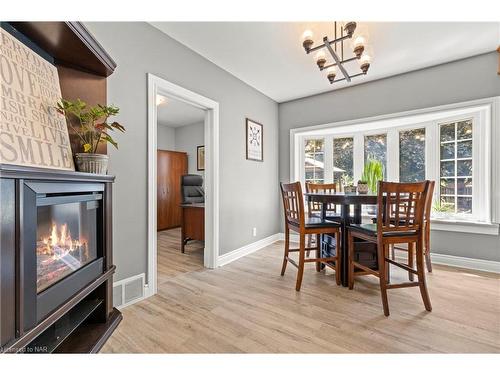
point(157, 85)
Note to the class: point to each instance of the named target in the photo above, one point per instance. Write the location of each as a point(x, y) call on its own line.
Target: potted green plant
point(373, 172)
point(348, 184)
point(92, 126)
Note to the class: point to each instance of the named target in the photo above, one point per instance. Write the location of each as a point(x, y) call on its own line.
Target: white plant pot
point(92, 163)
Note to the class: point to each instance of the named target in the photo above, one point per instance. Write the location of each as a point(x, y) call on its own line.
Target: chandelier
point(341, 34)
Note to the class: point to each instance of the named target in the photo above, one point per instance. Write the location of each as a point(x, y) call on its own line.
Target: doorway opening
point(183, 161)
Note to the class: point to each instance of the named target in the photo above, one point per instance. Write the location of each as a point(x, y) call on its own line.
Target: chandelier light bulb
point(359, 41)
point(307, 40)
point(349, 27)
point(321, 59)
point(359, 46)
point(331, 73)
point(365, 59)
point(307, 35)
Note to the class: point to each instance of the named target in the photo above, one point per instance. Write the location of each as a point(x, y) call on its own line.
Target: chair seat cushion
point(317, 222)
point(371, 230)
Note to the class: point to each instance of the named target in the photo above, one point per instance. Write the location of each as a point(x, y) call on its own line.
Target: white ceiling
point(174, 113)
point(269, 55)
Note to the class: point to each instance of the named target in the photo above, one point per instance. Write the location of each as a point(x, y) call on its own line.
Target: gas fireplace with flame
point(63, 242)
point(56, 259)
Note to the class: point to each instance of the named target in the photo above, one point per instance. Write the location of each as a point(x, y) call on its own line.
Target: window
point(455, 193)
point(343, 163)
point(376, 148)
point(412, 155)
point(314, 161)
point(452, 147)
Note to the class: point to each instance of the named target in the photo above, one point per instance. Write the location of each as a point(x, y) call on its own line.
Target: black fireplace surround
point(56, 267)
point(58, 205)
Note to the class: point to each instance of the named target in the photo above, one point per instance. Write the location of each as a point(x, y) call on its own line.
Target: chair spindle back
point(315, 207)
point(401, 206)
point(293, 203)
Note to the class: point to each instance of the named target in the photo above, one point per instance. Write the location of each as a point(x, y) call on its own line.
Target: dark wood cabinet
point(171, 165)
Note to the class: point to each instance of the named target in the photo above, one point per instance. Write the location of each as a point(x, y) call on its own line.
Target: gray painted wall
point(165, 138)
point(463, 80)
point(248, 190)
point(187, 139)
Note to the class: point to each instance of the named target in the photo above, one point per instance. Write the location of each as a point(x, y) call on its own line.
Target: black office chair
point(192, 189)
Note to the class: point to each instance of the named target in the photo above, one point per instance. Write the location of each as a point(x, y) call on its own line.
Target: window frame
point(483, 112)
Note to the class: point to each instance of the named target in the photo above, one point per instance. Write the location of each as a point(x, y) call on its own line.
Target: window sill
point(464, 226)
point(457, 226)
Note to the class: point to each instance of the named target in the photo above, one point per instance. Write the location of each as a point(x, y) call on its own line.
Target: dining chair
point(426, 234)
point(315, 208)
point(296, 220)
point(400, 219)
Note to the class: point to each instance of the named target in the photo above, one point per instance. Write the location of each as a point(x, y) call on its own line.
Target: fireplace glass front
point(66, 240)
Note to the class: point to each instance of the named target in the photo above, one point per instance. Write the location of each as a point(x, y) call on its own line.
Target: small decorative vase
point(92, 163)
point(362, 188)
point(350, 189)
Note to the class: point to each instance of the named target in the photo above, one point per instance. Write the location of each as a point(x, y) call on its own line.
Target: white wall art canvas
point(32, 132)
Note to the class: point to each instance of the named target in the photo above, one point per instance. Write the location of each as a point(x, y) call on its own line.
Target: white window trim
point(485, 167)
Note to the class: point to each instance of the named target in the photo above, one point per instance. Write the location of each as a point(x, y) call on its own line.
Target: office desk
point(193, 223)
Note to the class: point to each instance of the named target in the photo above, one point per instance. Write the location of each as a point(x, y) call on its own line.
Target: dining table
point(345, 201)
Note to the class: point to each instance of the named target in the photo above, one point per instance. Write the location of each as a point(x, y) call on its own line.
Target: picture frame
point(200, 158)
point(254, 140)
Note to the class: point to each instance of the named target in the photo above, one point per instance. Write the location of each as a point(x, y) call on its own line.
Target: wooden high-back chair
point(426, 233)
point(427, 225)
point(315, 208)
point(400, 219)
point(296, 220)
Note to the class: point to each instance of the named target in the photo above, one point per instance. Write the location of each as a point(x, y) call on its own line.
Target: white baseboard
point(247, 249)
point(468, 263)
point(443, 259)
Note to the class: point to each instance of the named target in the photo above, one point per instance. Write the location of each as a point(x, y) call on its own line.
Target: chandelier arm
point(343, 79)
point(331, 42)
point(337, 59)
point(342, 62)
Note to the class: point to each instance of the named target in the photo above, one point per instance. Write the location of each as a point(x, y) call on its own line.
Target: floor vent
point(128, 291)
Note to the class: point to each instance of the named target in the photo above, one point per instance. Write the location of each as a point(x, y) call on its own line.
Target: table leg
point(357, 214)
point(345, 251)
point(324, 206)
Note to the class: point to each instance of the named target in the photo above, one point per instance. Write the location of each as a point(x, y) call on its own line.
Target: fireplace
point(62, 241)
point(56, 268)
point(66, 240)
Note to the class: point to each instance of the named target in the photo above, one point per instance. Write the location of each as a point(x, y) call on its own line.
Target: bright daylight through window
point(451, 148)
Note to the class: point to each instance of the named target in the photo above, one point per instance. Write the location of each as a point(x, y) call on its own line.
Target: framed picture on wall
point(200, 158)
point(255, 140)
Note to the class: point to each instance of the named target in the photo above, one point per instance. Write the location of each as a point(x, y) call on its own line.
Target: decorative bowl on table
point(351, 189)
point(363, 188)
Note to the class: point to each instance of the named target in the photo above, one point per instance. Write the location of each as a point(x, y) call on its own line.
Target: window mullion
point(359, 156)
point(392, 155)
point(328, 159)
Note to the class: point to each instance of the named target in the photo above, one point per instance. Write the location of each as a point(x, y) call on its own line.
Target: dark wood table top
point(342, 198)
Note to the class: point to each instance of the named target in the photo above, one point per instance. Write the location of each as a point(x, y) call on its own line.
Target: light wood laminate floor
point(171, 262)
point(247, 307)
